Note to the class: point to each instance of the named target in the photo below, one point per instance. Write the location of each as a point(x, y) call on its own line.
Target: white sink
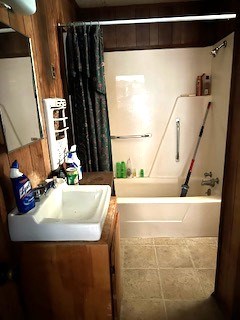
point(66, 213)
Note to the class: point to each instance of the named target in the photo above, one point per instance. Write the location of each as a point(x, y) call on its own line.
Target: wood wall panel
point(41, 27)
point(13, 45)
point(162, 35)
point(4, 16)
point(16, 22)
point(154, 28)
point(126, 34)
point(142, 30)
point(227, 288)
point(5, 182)
point(34, 158)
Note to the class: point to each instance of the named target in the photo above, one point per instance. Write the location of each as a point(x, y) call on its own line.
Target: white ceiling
point(110, 3)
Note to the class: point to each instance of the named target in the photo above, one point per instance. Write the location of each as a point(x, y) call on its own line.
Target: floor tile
point(207, 280)
point(139, 283)
point(173, 257)
point(203, 255)
point(128, 241)
point(202, 240)
point(138, 256)
point(193, 310)
point(143, 309)
point(169, 241)
point(181, 284)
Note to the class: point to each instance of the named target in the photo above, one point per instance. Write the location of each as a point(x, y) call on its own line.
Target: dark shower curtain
point(86, 84)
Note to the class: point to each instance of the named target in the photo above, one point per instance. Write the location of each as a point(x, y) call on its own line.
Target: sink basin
point(66, 213)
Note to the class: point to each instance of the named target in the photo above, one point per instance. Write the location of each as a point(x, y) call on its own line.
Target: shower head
point(215, 50)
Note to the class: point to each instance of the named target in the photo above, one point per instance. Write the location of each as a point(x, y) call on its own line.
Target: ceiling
point(111, 3)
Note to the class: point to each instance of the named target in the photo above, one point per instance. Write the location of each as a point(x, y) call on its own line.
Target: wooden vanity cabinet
point(73, 280)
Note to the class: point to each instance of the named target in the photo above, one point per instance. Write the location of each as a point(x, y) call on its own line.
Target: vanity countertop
point(101, 177)
point(90, 178)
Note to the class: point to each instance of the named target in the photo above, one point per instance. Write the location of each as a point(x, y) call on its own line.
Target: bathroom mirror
point(19, 107)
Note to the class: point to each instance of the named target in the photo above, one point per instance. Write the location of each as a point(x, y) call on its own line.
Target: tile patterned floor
point(168, 279)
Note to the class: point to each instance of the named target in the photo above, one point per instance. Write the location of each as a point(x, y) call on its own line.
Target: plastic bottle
point(134, 173)
point(206, 85)
point(129, 168)
point(69, 161)
point(76, 160)
point(199, 86)
point(22, 189)
point(118, 170)
point(123, 170)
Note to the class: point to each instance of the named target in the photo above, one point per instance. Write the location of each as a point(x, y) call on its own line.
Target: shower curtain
point(86, 85)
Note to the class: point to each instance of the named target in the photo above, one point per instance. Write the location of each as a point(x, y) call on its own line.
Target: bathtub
point(151, 207)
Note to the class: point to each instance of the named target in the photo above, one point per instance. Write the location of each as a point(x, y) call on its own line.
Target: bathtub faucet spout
point(210, 182)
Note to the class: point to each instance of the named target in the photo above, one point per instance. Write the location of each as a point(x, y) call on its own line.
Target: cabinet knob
point(112, 269)
point(7, 273)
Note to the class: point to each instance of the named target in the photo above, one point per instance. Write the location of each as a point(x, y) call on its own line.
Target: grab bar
point(133, 136)
point(177, 138)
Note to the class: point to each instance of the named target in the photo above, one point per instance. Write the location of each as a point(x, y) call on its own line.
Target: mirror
point(19, 107)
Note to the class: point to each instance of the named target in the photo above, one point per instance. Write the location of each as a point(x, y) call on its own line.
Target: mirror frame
point(4, 147)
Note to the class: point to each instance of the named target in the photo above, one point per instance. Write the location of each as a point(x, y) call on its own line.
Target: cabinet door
point(10, 307)
point(66, 281)
point(116, 270)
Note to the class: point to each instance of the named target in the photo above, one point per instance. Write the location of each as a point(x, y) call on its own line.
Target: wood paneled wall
point(228, 271)
point(164, 35)
point(42, 29)
point(34, 159)
point(13, 45)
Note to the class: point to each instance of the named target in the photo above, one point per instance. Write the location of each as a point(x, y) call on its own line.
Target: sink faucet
point(42, 189)
point(210, 182)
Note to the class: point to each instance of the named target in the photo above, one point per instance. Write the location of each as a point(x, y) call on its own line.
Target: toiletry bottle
point(199, 86)
point(129, 168)
point(123, 170)
point(118, 170)
point(134, 173)
point(70, 163)
point(76, 160)
point(206, 85)
point(141, 173)
point(22, 189)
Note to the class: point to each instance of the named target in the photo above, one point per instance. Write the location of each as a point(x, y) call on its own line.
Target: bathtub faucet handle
point(208, 174)
point(210, 182)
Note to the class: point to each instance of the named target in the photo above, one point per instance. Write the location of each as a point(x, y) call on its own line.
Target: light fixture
point(24, 7)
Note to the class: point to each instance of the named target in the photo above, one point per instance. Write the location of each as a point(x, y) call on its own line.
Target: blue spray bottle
point(22, 189)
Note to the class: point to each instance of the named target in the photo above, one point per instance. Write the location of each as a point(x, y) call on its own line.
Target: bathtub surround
point(143, 97)
point(142, 87)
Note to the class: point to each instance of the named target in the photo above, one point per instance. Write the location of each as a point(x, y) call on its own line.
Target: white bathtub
point(151, 207)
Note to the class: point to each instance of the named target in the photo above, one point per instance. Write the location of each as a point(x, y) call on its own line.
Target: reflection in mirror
point(19, 110)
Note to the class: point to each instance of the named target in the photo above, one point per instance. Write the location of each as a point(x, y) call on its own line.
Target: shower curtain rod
point(154, 20)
